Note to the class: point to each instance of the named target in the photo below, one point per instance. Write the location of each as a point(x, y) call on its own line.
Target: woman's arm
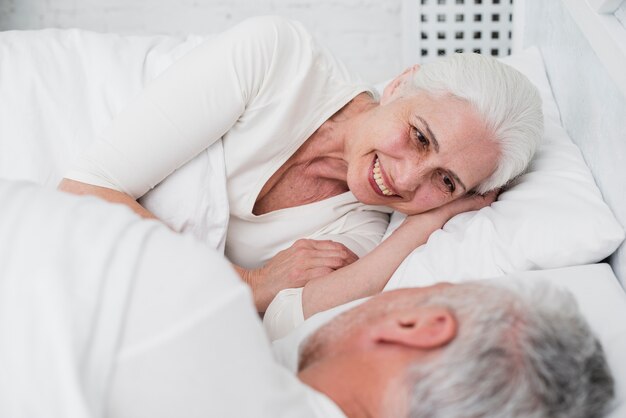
point(293, 267)
point(182, 112)
point(369, 275)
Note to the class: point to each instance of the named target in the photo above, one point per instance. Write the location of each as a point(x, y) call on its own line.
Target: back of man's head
point(521, 351)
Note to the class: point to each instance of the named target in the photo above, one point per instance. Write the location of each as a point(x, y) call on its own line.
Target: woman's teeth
point(378, 178)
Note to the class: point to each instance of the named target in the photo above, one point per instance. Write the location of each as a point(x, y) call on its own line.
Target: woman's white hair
point(505, 99)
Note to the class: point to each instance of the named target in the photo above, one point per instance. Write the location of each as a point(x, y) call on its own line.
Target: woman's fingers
point(436, 218)
point(314, 273)
point(333, 262)
point(342, 252)
point(335, 258)
point(320, 244)
point(469, 203)
point(295, 266)
point(305, 260)
point(308, 249)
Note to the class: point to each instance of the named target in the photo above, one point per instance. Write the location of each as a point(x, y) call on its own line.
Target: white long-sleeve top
point(263, 87)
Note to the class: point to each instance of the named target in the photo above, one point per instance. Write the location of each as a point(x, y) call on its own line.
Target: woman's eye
point(447, 181)
point(420, 137)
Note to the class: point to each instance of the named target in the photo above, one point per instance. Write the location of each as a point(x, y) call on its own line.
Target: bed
point(562, 221)
point(575, 56)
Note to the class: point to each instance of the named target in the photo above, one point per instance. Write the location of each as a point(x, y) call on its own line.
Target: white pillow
point(600, 298)
point(554, 216)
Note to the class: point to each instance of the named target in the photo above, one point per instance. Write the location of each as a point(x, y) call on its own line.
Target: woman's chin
point(367, 197)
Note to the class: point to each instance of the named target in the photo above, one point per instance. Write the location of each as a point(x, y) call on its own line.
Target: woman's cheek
point(428, 199)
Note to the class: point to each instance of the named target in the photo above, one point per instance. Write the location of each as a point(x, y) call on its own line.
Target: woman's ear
point(391, 88)
point(424, 328)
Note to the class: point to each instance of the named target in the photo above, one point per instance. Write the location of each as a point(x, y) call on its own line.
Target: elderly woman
point(312, 153)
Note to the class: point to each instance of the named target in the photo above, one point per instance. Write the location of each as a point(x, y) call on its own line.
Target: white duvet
point(59, 321)
point(103, 314)
point(60, 88)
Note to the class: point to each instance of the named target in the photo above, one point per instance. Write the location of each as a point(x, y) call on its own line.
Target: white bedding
point(104, 314)
point(59, 321)
point(553, 216)
point(60, 88)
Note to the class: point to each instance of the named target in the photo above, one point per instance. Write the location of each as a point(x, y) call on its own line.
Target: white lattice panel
point(447, 26)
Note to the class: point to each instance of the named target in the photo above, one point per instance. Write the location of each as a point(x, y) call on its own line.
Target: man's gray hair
point(521, 351)
point(505, 99)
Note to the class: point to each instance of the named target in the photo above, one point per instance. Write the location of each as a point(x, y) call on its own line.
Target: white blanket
point(105, 314)
point(60, 321)
point(60, 88)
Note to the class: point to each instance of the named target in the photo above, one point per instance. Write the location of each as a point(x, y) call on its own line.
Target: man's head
point(475, 350)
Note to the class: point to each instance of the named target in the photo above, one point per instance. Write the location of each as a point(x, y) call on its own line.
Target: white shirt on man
point(105, 314)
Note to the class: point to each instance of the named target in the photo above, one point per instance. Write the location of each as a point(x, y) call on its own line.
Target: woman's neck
point(323, 153)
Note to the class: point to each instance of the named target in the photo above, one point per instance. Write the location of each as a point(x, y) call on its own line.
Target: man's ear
point(424, 328)
point(391, 88)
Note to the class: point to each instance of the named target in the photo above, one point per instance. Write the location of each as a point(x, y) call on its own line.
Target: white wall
point(592, 107)
point(365, 34)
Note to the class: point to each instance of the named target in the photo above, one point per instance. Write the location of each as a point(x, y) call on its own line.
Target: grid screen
point(449, 26)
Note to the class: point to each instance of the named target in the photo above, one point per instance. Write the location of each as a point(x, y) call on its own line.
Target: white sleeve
point(284, 313)
point(360, 230)
point(182, 112)
point(193, 346)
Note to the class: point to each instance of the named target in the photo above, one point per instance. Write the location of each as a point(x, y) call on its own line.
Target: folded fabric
point(60, 89)
point(193, 199)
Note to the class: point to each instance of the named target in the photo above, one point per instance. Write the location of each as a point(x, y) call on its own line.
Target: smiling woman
point(421, 151)
point(314, 161)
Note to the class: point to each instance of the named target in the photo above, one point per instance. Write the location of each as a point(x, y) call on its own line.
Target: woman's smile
point(378, 179)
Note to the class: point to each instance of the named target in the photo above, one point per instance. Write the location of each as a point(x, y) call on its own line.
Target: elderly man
point(105, 314)
point(467, 350)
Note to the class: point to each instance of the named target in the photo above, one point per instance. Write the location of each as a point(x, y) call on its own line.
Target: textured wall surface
point(620, 13)
point(592, 109)
point(365, 34)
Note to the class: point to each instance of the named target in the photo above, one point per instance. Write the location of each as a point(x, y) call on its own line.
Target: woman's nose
point(410, 176)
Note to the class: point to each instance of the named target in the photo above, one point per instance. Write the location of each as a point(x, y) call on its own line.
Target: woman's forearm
point(368, 275)
point(114, 196)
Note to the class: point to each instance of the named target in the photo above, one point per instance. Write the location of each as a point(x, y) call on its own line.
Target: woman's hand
point(436, 218)
point(306, 259)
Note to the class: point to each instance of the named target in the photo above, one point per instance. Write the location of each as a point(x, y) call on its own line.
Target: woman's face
point(419, 152)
